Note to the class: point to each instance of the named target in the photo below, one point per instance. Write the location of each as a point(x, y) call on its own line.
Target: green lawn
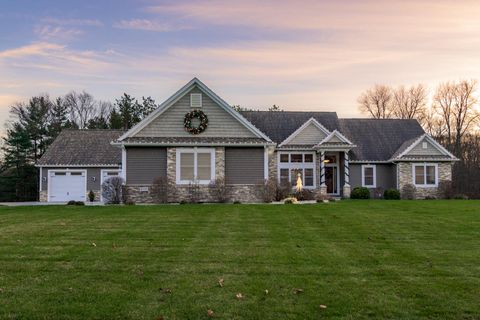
point(361, 259)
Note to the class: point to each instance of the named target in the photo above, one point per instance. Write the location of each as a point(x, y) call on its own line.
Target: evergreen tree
point(115, 121)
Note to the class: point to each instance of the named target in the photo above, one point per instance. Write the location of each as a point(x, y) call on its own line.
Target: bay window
point(292, 165)
point(425, 175)
point(195, 165)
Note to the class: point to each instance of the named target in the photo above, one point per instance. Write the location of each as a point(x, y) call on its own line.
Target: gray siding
point(220, 123)
point(431, 150)
point(310, 135)
point(386, 175)
point(244, 165)
point(92, 173)
point(145, 164)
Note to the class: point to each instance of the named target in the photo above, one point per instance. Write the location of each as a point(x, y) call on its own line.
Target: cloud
point(73, 22)
point(147, 25)
point(34, 49)
point(56, 33)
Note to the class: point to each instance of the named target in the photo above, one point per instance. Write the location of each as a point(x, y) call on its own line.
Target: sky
point(300, 55)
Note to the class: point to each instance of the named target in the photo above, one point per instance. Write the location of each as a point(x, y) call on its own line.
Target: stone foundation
point(405, 176)
point(346, 191)
point(195, 193)
point(43, 196)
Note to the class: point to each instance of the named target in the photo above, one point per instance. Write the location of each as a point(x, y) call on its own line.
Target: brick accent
point(43, 196)
point(405, 176)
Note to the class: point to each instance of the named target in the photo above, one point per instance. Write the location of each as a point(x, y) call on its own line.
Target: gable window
point(293, 165)
point(369, 176)
point(196, 100)
point(425, 175)
point(195, 165)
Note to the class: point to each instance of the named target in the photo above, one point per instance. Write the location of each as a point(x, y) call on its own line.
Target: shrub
point(378, 193)
point(409, 192)
point(91, 196)
point(445, 189)
point(130, 203)
point(194, 192)
point(112, 190)
point(268, 190)
point(160, 189)
point(183, 202)
point(360, 193)
point(79, 203)
point(236, 202)
point(71, 203)
point(290, 200)
point(460, 196)
point(218, 190)
point(430, 198)
point(305, 195)
point(284, 189)
point(391, 194)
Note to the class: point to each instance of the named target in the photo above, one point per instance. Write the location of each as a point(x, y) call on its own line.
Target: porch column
point(323, 186)
point(346, 186)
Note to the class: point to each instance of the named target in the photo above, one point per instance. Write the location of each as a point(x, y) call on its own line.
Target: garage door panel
point(66, 186)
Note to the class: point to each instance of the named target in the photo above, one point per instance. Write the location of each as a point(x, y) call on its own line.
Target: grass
point(361, 259)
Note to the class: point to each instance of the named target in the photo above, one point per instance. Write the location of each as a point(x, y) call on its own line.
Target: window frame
point(297, 165)
point(195, 152)
point(374, 168)
point(425, 165)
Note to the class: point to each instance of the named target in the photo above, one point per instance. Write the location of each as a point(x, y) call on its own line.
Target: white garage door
point(66, 185)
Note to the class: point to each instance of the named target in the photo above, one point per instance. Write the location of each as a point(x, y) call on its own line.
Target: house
point(196, 137)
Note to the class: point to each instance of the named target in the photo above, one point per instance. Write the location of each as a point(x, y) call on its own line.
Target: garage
point(66, 185)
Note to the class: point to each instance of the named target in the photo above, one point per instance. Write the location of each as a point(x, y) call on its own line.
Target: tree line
point(451, 116)
point(37, 122)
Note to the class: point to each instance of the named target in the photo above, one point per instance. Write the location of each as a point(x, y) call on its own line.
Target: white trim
point(338, 135)
point(302, 127)
point(190, 144)
point(374, 167)
point(124, 164)
point(265, 163)
point(432, 141)
point(79, 166)
point(425, 164)
point(195, 151)
point(120, 171)
point(178, 95)
point(41, 178)
point(66, 170)
point(298, 165)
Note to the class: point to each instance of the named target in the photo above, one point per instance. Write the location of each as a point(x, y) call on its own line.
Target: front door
point(331, 179)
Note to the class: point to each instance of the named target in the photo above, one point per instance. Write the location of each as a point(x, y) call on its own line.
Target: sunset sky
point(301, 55)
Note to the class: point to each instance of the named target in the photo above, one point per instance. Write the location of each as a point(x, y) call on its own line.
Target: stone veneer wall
point(43, 195)
point(405, 176)
point(178, 193)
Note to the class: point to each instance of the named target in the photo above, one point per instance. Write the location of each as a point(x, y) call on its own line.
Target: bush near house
point(360, 193)
point(409, 192)
point(391, 194)
point(112, 190)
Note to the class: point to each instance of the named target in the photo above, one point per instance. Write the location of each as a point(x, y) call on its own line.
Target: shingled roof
point(83, 148)
point(379, 139)
point(279, 125)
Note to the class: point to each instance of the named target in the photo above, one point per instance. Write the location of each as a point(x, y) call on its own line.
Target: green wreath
point(187, 122)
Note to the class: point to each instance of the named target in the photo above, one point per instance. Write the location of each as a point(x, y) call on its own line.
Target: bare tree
point(410, 103)
point(377, 102)
point(82, 107)
point(455, 104)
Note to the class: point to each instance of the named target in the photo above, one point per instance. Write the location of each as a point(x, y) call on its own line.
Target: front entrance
point(331, 179)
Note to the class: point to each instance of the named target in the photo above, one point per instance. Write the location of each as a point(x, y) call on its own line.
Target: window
point(425, 175)
point(196, 100)
point(369, 176)
point(297, 164)
point(197, 164)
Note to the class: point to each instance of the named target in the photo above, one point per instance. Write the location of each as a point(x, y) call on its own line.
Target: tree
point(147, 106)
point(455, 104)
point(377, 102)
point(58, 119)
point(81, 106)
point(128, 109)
point(275, 108)
point(115, 120)
point(410, 103)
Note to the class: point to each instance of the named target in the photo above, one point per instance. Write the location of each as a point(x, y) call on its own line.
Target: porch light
point(326, 161)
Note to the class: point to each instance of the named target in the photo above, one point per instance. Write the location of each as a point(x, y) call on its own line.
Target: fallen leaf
point(322, 306)
point(220, 282)
point(167, 290)
point(94, 244)
point(297, 290)
point(160, 318)
point(266, 291)
point(239, 296)
point(210, 313)
point(1, 290)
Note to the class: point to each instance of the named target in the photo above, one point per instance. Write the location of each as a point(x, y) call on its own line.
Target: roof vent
point(424, 145)
point(196, 100)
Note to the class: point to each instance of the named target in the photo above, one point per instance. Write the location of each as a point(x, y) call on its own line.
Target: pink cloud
point(147, 25)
